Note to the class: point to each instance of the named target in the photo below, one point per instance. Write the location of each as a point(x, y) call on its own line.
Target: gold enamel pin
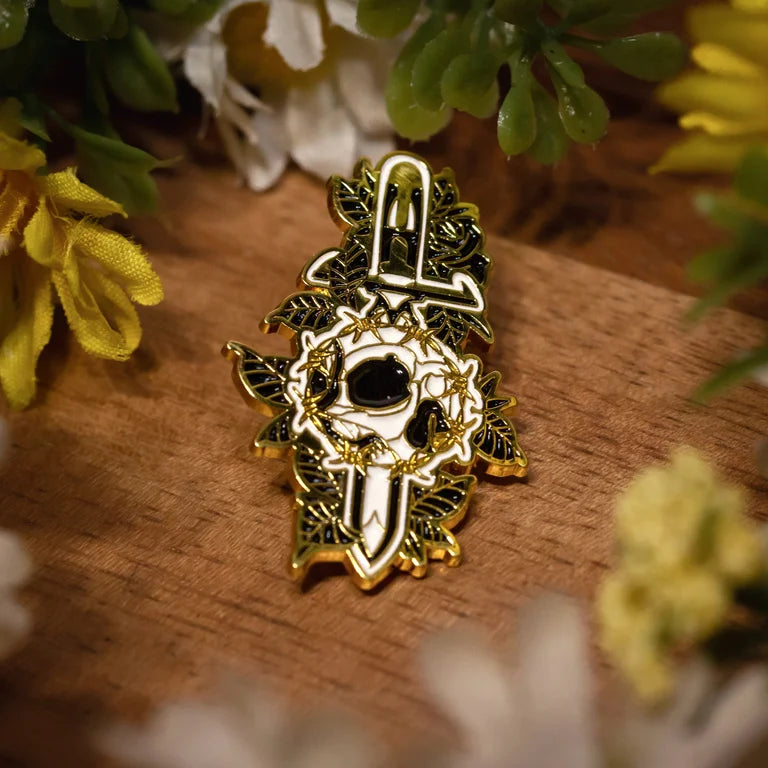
point(382, 411)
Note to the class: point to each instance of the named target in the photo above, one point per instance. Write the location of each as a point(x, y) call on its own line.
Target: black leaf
point(261, 380)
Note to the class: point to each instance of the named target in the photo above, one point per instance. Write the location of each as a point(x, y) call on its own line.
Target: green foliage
point(107, 56)
point(137, 74)
point(118, 170)
point(740, 264)
point(13, 22)
point(453, 59)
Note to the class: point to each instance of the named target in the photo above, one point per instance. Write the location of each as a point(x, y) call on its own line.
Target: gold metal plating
point(409, 275)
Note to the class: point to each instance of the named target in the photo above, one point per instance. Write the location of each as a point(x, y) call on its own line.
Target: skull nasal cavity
point(417, 431)
point(378, 383)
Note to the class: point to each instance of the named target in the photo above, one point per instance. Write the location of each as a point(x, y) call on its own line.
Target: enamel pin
point(382, 412)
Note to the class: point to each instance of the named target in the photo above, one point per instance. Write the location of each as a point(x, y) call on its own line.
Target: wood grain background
point(161, 545)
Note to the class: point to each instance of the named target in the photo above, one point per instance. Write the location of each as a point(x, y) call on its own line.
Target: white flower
point(242, 728)
point(324, 108)
point(709, 725)
point(536, 712)
point(15, 567)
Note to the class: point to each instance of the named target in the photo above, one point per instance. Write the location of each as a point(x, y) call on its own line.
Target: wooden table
point(160, 544)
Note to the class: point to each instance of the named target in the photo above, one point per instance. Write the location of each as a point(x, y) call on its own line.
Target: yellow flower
point(49, 237)
point(723, 102)
point(684, 547)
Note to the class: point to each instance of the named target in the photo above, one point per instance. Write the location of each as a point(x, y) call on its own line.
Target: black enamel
point(378, 383)
point(417, 431)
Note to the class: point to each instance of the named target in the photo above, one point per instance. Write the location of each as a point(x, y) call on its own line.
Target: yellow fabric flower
point(723, 102)
point(684, 547)
point(49, 236)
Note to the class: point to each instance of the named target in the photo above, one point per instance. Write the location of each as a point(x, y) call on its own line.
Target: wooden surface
point(161, 545)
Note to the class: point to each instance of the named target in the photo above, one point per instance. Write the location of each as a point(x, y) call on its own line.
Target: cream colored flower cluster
point(684, 546)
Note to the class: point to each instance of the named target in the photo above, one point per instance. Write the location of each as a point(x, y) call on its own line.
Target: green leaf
point(551, 141)
point(410, 119)
point(116, 169)
point(385, 18)
point(13, 22)
point(201, 11)
point(25, 64)
point(732, 373)
point(87, 23)
point(563, 64)
point(618, 15)
point(652, 56)
point(582, 111)
point(95, 102)
point(712, 265)
point(137, 74)
point(171, 7)
point(32, 117)
point(469, 83)
point(80, 3)
point(577, 12)
point(432, 62)
point(516, 127)
point(745, 272)
point(308, 309)
point(517, 11)
point(751, 179)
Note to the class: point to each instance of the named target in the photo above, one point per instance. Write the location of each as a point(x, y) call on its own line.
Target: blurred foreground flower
point(15, 567)
point(292, 79)
point(738, 265)
point(684, 549)
point(536, 712)
point(48, 235)
point(540, 712)
point(243, 727)
point(723, 102)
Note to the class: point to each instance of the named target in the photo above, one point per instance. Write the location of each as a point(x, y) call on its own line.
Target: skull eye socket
point(378, 383)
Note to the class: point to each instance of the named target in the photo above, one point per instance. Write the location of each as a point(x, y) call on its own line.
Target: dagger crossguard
point(380, 404)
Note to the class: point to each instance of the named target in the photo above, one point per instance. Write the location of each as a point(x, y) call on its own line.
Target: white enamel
point(430, 367)
point(469, 297)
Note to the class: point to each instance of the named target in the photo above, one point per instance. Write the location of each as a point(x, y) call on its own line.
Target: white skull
point(389, 404)
point(414, 370)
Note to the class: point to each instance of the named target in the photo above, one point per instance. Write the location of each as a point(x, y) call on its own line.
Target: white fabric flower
point(324, 122)
point(243, 728)
point(536, 712)
point(15, 567)
point(708, 725)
